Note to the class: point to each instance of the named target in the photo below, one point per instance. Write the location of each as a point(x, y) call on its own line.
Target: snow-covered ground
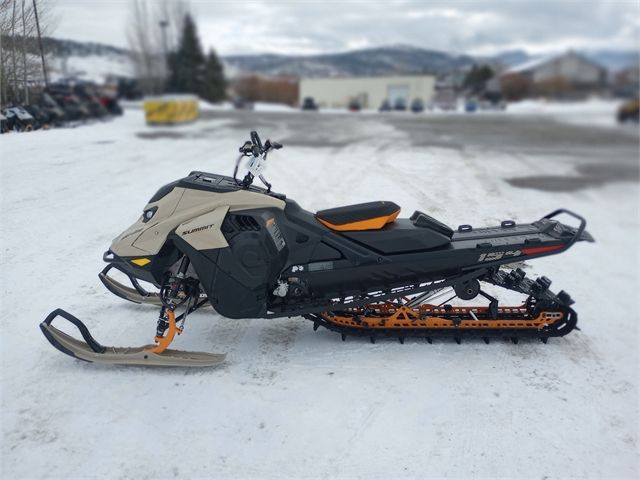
point(595, 111)
point(291, 403)
point(592, 112)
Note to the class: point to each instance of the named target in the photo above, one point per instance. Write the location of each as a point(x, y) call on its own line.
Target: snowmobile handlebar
point(255, 139)
point(254, 148)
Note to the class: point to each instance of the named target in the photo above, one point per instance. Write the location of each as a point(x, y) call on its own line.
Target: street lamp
point(163, 25)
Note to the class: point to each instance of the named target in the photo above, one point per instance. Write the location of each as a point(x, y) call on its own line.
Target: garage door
point(398, 92)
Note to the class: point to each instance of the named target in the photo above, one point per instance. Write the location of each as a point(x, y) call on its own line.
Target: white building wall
point(369, 91)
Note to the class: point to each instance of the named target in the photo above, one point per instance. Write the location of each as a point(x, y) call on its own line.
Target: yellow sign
point(169, 110)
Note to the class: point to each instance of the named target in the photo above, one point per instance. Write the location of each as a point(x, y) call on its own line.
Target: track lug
point(486, 340)
point(401, 340)
point(429, 340)
point(373, 339)
point(458, 340)
point(493, 308)
point(344, 337)
point(544, 339)
point(515, 340)
point(315, 326)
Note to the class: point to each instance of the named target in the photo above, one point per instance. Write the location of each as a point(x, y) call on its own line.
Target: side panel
point(177, 207)
point(203, 232)
point(238, 278)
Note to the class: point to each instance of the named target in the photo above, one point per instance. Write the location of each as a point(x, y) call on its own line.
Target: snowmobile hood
point(182, 202)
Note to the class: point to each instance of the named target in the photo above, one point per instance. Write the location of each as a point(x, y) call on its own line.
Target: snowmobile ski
point(90, 350)
point(359, 270)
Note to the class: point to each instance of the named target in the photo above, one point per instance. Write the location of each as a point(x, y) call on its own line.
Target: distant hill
point(60, 47)
point(95, 61)
point(612, 60)
point(512, 57)
point(374, 61)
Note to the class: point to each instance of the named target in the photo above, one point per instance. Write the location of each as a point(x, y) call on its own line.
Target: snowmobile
point(19, 119)
point(359, 270)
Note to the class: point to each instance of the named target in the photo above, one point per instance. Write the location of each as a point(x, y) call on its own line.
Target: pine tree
point(477, 78)
point(187, 63)
point(214, 82)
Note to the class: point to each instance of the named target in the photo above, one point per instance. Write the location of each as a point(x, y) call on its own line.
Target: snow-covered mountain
point(612, 60)
point(376, 61)
point(95, 61)
point(86, 60)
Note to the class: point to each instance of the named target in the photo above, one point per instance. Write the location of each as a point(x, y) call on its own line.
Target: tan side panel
point(203, 232)
point(180, 206)
point(123, 246)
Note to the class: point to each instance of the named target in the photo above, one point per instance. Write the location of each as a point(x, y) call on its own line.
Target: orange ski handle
point(164, 341)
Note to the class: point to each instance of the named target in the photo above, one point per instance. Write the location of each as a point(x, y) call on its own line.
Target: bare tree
point(13, 49)
point(153, 31)
point(25, 86)
point(20, 67)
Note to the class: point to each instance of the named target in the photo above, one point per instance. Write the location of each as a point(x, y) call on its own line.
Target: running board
point(90, 350)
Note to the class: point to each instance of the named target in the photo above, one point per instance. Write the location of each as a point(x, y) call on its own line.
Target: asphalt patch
point(589, 176)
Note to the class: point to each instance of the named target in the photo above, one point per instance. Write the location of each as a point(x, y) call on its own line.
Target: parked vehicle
point(470, 106)
point(629, 111)
point(111, 104)
point(358, 270)
point(354, 106)
point(52, 107)
point(400, 105)
point(309, 104)
point(89, 97)
point(242, 104)
point(42, 118)
point(495, 106)
point(61, 102)
point(18, 119)
point(385, 106)
point(417, 105)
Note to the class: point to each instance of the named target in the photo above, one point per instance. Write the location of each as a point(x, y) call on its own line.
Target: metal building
point(369, 92)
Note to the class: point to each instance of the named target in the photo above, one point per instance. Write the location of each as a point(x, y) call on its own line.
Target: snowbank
point(594, 112)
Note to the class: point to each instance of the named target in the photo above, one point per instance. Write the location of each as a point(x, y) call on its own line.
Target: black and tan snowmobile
point(358, 270)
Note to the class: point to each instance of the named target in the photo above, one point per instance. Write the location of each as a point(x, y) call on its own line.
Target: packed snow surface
point(594, 111)
point(290, 402)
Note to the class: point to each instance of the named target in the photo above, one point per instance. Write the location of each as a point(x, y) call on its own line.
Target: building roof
point(537, 62)
point(530, 64)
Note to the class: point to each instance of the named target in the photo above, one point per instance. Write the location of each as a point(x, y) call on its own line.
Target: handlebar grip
point(256, 139)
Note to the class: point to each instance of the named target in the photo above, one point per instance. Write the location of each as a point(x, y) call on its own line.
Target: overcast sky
point(307, 27)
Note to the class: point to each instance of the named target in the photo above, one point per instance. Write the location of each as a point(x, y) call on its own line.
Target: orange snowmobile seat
point(363, 216)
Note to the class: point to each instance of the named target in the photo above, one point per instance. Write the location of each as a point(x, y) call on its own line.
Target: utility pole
point(24, 56)
point(44, 67)
point(13, 54)
point(2, 79)
point(163, 25)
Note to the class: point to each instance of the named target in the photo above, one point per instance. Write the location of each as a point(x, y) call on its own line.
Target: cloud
point(464, 26)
